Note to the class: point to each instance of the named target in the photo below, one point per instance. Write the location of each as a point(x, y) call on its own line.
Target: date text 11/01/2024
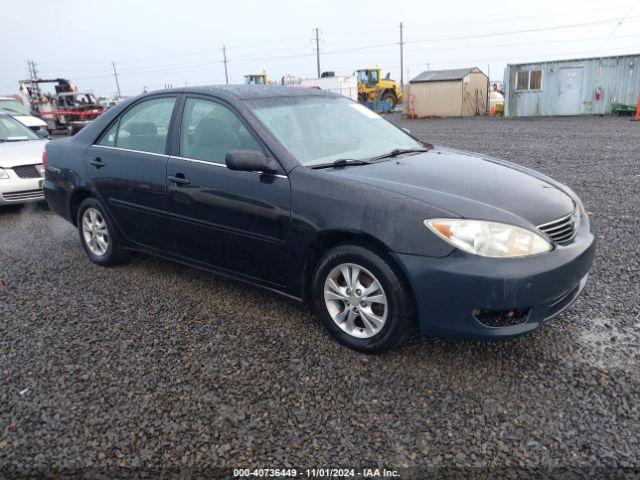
point(317, 473)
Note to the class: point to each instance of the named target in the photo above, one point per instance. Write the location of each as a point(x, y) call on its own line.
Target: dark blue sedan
point(314, 196)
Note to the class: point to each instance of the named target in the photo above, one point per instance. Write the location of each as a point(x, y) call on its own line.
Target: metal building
point(447, 93)
point(571, 87)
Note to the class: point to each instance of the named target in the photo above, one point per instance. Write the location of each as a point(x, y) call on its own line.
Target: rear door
point(128, 168)
point(231, 220)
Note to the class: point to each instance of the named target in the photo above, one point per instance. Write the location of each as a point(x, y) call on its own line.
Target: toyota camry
point(314, 196)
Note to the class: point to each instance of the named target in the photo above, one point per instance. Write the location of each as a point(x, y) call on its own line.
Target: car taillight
point(44, 158)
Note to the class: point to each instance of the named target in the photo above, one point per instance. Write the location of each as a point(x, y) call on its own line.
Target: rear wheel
point(362, 299)
point(97, 234)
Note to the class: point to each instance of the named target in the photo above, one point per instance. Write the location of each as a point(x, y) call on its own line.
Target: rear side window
point(145, 127)
point(209, 130)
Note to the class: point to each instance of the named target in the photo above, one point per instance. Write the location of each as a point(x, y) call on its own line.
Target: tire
point(112, 253)
point(390, 99)
point(362, 98)
point(398, 312)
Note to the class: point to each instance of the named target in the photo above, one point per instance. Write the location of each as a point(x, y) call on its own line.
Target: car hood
point(470, 186)
point(21, 153)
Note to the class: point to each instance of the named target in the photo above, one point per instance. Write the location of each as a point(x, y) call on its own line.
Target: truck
point(67, 109)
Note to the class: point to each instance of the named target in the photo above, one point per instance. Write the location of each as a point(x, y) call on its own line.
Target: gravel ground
point(155, 365)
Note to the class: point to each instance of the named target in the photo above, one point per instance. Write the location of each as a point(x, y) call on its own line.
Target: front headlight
point(488, 239)
point(3, 174)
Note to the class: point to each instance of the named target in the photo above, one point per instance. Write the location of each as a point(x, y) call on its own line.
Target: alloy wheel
point(95, 232)
point(355, 300)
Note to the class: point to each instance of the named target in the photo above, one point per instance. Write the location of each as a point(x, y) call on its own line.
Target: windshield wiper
point(342, 162)
point(399, 151)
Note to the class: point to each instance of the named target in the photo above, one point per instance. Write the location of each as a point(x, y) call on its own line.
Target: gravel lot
point(155, 365)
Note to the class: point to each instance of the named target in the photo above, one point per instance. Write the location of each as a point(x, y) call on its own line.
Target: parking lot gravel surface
point(155, 365)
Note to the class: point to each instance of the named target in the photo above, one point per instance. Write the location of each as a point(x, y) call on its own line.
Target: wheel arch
point(327, 240)
point(78, 196)
point(389, 90)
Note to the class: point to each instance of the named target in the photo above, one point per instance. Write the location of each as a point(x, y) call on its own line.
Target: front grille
point(23, 195)
point(26, 171)
point(562, 230)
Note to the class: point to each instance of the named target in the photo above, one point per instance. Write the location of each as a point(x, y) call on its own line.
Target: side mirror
point(251, 161)
point(43, 133)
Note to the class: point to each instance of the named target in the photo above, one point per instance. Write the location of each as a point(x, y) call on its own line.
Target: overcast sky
point(160, 42)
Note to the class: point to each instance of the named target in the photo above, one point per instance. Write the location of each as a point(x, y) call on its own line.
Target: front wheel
point(362, 299)
point(390, 99)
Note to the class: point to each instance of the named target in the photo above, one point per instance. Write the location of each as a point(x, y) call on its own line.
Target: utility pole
point(401, 57)
point(224, 57)
point(488, 88)
point(115, 74)
point(33, 73)
point(318, 50)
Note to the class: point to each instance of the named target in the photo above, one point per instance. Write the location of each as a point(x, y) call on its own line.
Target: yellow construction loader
point(373, 88)
point(256, 79)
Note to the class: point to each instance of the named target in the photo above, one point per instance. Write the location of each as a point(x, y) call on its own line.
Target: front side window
point(324, 129)
point(145, 127)
point(209, 130)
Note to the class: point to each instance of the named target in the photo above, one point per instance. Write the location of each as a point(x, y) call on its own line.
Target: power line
point(403, 42)
point(618, 24)
point(517, 32)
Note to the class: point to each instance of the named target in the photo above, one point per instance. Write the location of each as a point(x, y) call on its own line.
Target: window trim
point(528, 72)
point(180, 117)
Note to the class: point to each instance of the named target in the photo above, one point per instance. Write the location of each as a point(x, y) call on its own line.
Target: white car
point(17, 110)
point(21, 163)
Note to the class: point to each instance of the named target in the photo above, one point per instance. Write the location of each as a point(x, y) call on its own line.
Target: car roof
point(244, 92)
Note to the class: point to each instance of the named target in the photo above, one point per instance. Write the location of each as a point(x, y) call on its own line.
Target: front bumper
point(15, 190)
point(450, 291)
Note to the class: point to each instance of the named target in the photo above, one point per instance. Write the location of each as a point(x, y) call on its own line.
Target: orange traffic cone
point(636, 117)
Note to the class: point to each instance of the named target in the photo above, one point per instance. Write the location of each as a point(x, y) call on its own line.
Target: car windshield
point(12, 130)
point(318, 130)
point(13, 107)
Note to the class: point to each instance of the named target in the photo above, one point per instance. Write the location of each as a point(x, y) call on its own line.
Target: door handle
point(179, 179)
point(98, 163)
